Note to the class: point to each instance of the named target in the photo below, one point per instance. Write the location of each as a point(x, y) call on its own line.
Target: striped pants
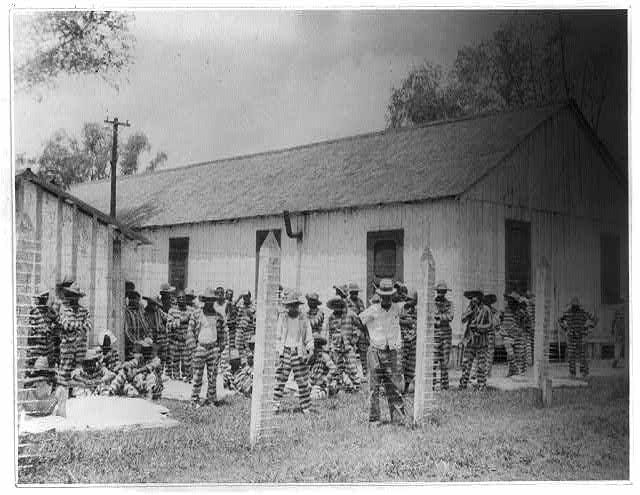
point(289, 359)
point(323, 371)
point(576, 350)
point(177, 368)
point(528, 344)
point(243, 381)
point(520, 350)
point(509, 347)
point(491, 348)
point(162, 349)
point(121, 385)
point(224, 368)
point(81, 346)
point(363, 346)
point(409, 360)
point(189, 352)
point(474, 351)
point(205, 355)
point(345, 362)
point(67, 357)
point(442, 350)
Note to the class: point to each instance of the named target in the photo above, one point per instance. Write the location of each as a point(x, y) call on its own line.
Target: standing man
point(39, 341)
point(478, 321)
point(135, 324)
point(190, 339)
point(489, 300)
point(510, 327)
point(245, 326)
point(530, 306)
point(618, 330)
point(295, 344)
point(408, 330)
point(383, 324)
point(204, 325)
point(576, 323)
point(442, 335)
point(356, 305)
point(75, 324)
point(221, 305)
point(342, 332)
point(157, 323)
point(314, 314)
point(166, 297)
point(232, 316)
point(177, 324)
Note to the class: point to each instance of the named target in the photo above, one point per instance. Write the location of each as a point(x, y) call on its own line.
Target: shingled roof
point(437, 160)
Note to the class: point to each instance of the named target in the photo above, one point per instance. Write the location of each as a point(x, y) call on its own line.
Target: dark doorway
point(384, 257)
point(178, 262)
point(517, 256)
point(261, 235)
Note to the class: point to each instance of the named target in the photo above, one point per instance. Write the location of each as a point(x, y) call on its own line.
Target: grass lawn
point(473, 437)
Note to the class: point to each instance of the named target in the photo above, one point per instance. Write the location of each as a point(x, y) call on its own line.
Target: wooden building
point(59, 235)
point(491, 195)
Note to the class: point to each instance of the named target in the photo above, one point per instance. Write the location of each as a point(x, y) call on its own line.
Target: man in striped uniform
point(190, 338)
point(322, 368)
point(477, 318)
point(156, 320)
point(489, 300)
point(75, 324)
point(221, 305)
point(618, 331)
point(355, 304)
point(232, 317)
point(204, 325)
point(295, 343)
point(243, 379)
point(39, 341)
point(511, 322)
point(442, 335)
point(177, 325)
point(42, 395)
point(166, 297)
point(246, 327)
point(110, 357)
point(314, 313)
point(92, 377)
point(139, 376)
point(342, 332)
point(576, 323)
point(135, 324)
point(408, 330)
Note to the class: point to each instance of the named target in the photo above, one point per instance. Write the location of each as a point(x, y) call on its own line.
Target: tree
point(529, 60)
point(155, 163)
point(47, 44)
point(66, 160)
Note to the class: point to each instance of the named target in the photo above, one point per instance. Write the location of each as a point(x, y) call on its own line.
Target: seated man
point(322, 368)
point(139, 376)
point(92, 378)
point(110, 357)
point(243, 379)
point(42, 395)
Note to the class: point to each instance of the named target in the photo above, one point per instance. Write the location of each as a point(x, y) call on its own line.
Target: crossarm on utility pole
point(114, 161)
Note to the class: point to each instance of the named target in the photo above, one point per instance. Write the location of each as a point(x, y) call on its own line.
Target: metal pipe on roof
point(287, 226)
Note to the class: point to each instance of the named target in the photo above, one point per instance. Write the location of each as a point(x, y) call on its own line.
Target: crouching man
point(42, 394)
point(139, 376)
point(92, 378)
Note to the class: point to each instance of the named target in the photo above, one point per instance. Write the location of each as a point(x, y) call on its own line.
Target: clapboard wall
point(78, 244)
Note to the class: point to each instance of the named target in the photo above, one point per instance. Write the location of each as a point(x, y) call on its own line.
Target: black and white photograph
point(318, 246)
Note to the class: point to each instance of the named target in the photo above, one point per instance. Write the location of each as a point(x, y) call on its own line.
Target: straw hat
point(92, 355)
point(292, 298)
point(470, 294)
point(73, 290)
point(386, 287)
point(513, 295)
point(209, 293)
point(441, 286)
point(167, 289)
point(336, 303)
point(353, 287)
point(314, 297)
point(489, 299)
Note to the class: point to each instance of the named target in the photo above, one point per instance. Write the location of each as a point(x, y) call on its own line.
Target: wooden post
point(542, 331)
point(265, 358)
point(424, 401)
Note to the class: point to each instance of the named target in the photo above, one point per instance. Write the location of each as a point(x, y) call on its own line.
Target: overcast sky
point(207, 85)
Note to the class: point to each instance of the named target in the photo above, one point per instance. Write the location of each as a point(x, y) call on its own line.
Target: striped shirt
point(74, 320)
point(356, 306)
point(574, 322)
point(39, 339)
point(443, 314)
point(408, 323)
point(316, 319)
point(511, 322)
point(178, 322)
point(246, 319)
point(345, 326)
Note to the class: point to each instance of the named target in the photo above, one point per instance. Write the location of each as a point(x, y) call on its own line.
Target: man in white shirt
point(383, 323)
point(295, 345)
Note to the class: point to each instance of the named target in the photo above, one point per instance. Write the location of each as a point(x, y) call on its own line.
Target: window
point(610, 268)
point(517, 256)
point(178, 262)
point(261, 236)
point(384, 257)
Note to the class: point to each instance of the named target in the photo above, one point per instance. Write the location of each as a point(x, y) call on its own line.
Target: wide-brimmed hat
point(314, 297)
point(353, 287)
point(470, 294)
point(180, 293)
point(292, 298)
point(512, 295)
point(574, 301)
point(152, 300)
point(67, 281)
point(73, 290)
point(146, 343)
point(92, 355)
point(190, 293)
point(41, 292)
point(336, 303)
point(246, 293)
point(386, 287)
point(107, 333)
point(442, 286)
point(167, 289)
point(209, 293)
point(489, 299)
point(129, 286)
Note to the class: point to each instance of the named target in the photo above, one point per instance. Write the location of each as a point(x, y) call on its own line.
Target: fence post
point(542, 330)
point(265, 358)
point(424, 400)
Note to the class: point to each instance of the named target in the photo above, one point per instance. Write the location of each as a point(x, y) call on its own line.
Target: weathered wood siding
point(73, 243)
point(557, 180)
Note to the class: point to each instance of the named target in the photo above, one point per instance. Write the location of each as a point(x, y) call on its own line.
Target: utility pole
point(114, 161)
